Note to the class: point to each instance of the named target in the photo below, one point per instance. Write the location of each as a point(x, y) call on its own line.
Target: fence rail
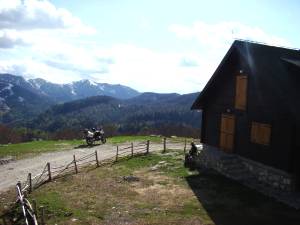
point(50, 173)
point(27, 210)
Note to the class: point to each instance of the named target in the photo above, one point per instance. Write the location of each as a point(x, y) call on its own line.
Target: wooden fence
point(49, 173)
point(178, 143)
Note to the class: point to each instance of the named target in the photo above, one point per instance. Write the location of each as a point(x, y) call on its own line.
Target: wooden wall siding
point(227, 132)
point(260, 133)
point(241, 92)
point(272, 98)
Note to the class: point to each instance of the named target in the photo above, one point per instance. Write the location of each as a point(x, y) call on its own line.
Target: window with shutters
point(260, 133)
point(241, 92)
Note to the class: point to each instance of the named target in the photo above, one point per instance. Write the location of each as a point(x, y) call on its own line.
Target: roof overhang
point(295, 62)
point(198, 103)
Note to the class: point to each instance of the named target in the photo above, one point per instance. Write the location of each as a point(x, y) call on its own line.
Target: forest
point(147, 114)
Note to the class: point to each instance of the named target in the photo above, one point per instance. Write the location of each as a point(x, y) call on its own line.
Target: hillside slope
point(146, 113)
point(22, 100)
point(19, 102)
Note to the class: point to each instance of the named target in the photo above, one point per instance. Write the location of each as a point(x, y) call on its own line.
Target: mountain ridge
point(33, 105)
point(21, 98)
point(128, 115)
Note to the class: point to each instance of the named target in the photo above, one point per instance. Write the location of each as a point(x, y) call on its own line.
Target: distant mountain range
point(68, 92)
point(39, 104)
point(20, 98)
point(81, 89)
point(146, 113)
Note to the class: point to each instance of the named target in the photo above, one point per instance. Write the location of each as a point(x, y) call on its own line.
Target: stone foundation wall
point(245, 170)
point(270, 176)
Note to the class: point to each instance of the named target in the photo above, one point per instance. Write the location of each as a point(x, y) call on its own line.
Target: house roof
point(292, 61)
point(269, 58)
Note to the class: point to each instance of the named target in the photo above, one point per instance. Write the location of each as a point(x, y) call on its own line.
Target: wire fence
point(176, 143)
point(50, 173)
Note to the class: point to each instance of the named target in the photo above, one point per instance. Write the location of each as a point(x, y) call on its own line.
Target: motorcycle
point(94, 135)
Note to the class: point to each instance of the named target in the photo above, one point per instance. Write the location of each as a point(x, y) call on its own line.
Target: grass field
point(36, 147)
point(163, 193)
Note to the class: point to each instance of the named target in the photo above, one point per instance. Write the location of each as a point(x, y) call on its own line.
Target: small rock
point(153, 168)
point(66, 214)
point(74, 220)
point(131, 178)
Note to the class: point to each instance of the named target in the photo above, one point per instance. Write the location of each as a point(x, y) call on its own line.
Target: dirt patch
point(15, 171)
point(161, 189)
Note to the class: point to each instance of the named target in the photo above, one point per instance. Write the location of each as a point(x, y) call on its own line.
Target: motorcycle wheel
point(103, 140)
point(89, 141)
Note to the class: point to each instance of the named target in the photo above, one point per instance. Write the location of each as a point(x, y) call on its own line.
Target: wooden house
point(251, 106)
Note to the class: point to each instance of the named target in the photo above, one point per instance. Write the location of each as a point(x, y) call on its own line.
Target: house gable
point(272, 99)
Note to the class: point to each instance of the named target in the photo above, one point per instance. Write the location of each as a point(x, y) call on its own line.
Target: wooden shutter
point(241, 92)
point(260, 133)
point(227, 132)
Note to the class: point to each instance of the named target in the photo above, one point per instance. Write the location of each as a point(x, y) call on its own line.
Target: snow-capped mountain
point(66, 92)
point(18, 100)
point(81, 89)
point(19, 96)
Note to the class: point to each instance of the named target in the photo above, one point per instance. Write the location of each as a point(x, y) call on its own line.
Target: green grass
point(122, 139)
point(167, 193)
point(36, 147)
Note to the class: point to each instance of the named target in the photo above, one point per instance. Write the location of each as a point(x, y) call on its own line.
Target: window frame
point(237, 101)
point(260, 133)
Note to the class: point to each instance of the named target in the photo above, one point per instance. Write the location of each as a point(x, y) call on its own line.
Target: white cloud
point(11, 38)
point(34, 21)
point(148, 70)
point(33, 69)
point(213, 41)
point(223, 33)
point(35, 14)
point(54, 57)
point(188, 62)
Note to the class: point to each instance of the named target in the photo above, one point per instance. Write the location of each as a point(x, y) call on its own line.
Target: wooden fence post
point(42, 215)
point(97, 161)
point(30, 182)
point(165, 145)
point(184, 146)
point(34, 208)
point(117, 155)
point(20, 186)
point(131, 149)
point(148, 143)
point(49, 171)
point(75, 164)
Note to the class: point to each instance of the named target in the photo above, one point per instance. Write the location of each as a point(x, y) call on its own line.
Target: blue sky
point(161, 46)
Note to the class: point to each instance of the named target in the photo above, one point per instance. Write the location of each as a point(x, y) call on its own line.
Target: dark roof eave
point(198, 103)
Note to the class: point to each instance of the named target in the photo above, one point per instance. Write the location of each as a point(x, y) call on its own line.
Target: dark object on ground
point(94, 135)
point(131, 178)
point(189, 161)
point(6, 160)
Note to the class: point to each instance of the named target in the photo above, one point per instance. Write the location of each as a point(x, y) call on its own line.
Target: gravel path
point(18, 170)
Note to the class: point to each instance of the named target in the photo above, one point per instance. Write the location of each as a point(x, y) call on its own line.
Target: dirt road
point(18, 170)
